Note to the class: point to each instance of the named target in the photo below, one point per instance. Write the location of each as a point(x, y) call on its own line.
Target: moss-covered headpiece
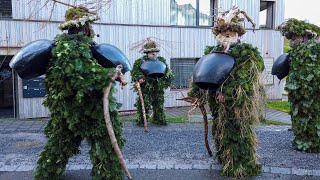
point(296, 28)
point(150, 46)
point(77, 17)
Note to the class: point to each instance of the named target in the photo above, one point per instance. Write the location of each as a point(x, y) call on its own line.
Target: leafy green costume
point(74, 85)
point(303, 90)
point(233, 121)
point(152, 91)
point(302, 83)
point(303, 86)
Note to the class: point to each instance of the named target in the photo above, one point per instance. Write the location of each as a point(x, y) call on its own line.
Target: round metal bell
point(153, 68)
point(212, 70)
point(33, 59)
point(281, 66)
point(109, 56)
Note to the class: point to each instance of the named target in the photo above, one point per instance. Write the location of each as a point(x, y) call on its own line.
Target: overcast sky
point(303, 9)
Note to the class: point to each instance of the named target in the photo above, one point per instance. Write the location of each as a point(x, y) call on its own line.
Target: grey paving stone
point(266, 169)
point(17, 122)
point(6, 122)
point(277, 170)
point(216, 167)
point(36, 126)
point(28, 122)
point(11, 129)
point(183, 166)
point(89, 166)
point(148, 166)
point(25, 168)
point(13, 126)
point(202, 166)
point(9, 168)
point(165, 166)
point(133, 166)
point(316, 172)
point(301, 171)
point(24, 127)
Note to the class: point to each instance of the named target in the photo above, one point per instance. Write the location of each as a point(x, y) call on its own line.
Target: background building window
point(191, 12)
point(182, 69)
point(267, 14)
point(5, 9)
point(205, 13)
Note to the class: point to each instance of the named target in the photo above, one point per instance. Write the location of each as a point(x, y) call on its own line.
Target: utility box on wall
point(33, 88)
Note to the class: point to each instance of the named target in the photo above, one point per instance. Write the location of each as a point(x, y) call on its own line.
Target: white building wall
point(179, 42)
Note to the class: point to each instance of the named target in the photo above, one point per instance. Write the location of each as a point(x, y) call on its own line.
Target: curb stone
point(278, 170)
point(205, 166)
point(9, 168)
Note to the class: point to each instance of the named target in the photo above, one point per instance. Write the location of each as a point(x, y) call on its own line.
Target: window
point(182, 69)
point(5, 9)
point(191, 12)
point(267, 14)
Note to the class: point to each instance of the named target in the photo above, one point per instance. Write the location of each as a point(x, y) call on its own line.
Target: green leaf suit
point(303, 91)
point(234, 120)
point(152, 91)
point(74, 85)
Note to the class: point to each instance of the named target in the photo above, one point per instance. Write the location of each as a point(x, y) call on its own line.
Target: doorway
point(7, 96)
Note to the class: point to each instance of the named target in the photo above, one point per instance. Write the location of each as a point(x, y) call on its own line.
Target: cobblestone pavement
point(278, 116)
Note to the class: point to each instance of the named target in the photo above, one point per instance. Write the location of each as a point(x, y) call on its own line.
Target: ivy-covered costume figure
point(236, 103)
point(303, 82)
point(152, 87)
point(76, 75)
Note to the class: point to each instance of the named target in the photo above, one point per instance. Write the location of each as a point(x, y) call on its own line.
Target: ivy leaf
point(59, 170)
point(309, 77)
point(313, 57)
point(295, 111)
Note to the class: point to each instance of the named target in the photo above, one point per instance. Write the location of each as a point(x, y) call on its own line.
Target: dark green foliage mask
point(303, 86)
point(74, 85)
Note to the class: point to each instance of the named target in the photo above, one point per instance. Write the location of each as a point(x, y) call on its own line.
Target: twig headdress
point(146, 45)
point(230, 20)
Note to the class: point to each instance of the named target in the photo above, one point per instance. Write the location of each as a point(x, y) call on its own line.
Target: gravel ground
point(173, 144)
point(275, 149)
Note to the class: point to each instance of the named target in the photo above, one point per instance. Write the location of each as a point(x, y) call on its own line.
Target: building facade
point(182, 27)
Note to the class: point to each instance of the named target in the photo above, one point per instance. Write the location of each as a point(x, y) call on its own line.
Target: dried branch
point(164, 44)
point(109, 123)
point(228, 16)
point(249, 19)
point(63, 3)
point(137, 85)
point(205, 124)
